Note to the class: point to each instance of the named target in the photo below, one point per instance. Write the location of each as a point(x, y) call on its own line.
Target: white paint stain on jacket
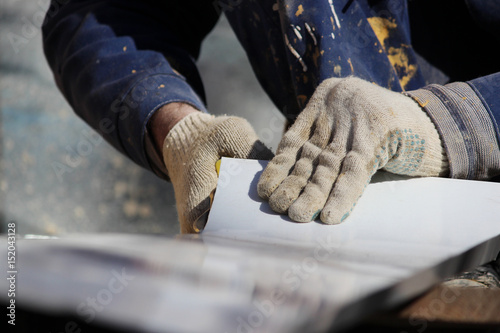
point(311, 33)
point(296, 54)
point(296, 29)
point(337, 22)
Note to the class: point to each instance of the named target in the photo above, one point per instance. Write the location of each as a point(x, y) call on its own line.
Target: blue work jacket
point(117, 62)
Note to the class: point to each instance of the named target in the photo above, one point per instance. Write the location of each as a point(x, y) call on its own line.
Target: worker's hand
point(190, 151)
point(349, 129)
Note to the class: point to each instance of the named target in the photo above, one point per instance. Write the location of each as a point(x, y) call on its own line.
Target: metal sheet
point(237, 283)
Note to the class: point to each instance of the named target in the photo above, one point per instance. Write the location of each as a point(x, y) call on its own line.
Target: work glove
point(349, 129)
point(190, 151)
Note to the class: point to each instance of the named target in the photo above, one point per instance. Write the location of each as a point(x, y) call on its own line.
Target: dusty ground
point(104, 191)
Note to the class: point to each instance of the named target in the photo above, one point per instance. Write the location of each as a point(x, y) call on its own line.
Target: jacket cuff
point(137, 107)
point(155, 157)
point(466, 128)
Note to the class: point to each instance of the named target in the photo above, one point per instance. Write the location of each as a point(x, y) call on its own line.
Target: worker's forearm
point(111, 82)
point(165, 118)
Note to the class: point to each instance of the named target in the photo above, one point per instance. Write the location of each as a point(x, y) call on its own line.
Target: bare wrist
point(165, 118)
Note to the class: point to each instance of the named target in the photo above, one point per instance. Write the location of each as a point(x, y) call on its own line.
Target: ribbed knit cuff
point(465, 126)
point(155, 156)
point(179, 140)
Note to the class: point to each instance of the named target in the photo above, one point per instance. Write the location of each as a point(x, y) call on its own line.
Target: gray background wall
point(104, 191)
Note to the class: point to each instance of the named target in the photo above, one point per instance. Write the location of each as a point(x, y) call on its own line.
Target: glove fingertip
point(270, 179)
point(263, 187)
point(329, 217)
point(302, 215)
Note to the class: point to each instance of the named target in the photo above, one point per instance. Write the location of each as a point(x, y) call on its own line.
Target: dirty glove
point(190, 151)
point(349, 129)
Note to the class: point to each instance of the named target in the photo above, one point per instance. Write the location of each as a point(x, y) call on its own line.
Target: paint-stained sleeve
point(467, 115)
point(117, 62)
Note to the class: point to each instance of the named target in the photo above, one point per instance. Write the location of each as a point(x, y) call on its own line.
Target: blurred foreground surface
point(57, 176)
point(139, 283)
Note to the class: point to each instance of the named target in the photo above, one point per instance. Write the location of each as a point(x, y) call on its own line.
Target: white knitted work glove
point(349, 129)
point(190, 151)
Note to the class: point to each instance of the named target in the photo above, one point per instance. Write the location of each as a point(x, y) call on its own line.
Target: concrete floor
point(104, 192)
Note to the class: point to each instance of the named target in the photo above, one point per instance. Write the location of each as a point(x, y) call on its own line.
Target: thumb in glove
point(190, 152)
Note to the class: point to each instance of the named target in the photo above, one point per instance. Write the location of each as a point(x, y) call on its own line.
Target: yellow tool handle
point(202, 220)
point(217, 166)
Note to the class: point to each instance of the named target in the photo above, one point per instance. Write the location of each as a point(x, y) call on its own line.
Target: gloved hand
point(349, 129)
point(190, 151)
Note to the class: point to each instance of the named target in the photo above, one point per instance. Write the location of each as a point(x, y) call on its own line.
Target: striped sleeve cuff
point(465, 127)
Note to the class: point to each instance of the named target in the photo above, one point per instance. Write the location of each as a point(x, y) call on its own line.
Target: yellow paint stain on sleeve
point(492, 148)
point(124, 49)
point(299, 11)
point(421, 103)
point(381, 27)
point(302, 99)
point(316, 54)
point(337, 69)
point(399, 60)
point(350, 64)
point(333, 23)
point(397, 56)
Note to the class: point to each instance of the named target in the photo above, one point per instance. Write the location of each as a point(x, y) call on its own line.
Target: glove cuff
point(435, 163)
point(180, 139)
point(420, 149)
